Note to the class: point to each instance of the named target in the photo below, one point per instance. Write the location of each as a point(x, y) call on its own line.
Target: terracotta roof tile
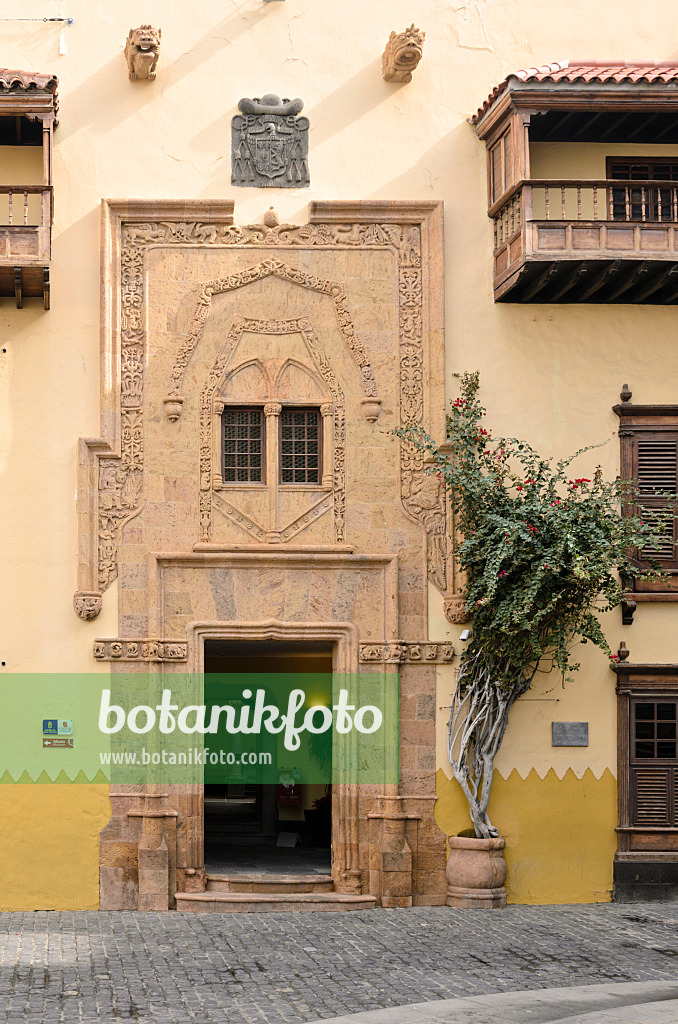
point(27, 80)
point(585, 71)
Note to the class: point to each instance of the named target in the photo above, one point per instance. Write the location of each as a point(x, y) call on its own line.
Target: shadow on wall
point(82, 107)
point(347, 104)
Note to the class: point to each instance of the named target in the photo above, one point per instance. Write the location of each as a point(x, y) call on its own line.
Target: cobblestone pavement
point(274, 968)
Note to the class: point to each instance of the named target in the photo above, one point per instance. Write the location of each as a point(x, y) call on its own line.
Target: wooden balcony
point(25, 241)
point(587, 241)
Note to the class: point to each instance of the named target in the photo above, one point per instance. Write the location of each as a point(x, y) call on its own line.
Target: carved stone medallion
point(269, 144)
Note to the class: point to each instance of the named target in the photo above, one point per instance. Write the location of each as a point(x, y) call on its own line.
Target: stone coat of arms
point(269, 144)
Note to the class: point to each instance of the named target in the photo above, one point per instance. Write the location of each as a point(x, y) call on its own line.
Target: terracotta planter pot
point(476, 872)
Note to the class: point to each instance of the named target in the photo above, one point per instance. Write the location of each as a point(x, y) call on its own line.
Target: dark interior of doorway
point(246, 824)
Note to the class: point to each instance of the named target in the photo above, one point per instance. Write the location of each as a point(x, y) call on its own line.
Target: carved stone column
point(217, 478)
point(272, 412)
point(156, 851)
point(390, 854)
point(327, 413)
point(189, 801)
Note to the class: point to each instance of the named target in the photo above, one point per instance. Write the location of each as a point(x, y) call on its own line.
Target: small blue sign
point(50, 727)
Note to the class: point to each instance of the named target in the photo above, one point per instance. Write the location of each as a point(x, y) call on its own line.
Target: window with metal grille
point(243, 446)
point(652, 762)
point(300, 446)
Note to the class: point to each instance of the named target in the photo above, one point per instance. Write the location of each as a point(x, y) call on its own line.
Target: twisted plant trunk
point(478, 718)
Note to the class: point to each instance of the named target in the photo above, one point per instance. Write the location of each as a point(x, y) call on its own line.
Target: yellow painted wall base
point(49, 846)
point(560, 838)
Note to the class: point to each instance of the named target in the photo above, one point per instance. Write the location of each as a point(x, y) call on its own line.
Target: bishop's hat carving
point(269, 144)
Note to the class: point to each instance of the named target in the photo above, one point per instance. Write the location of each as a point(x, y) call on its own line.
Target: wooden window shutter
point(651, 796)
point(655, 467)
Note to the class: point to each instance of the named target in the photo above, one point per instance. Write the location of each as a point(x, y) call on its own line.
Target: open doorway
point(281, 827)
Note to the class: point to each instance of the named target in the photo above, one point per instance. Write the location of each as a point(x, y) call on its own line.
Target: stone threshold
point(258, 903)
point(263, 882)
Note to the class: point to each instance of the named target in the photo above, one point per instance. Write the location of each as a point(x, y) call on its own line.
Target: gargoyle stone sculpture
point(402, 54)
point(142, 50)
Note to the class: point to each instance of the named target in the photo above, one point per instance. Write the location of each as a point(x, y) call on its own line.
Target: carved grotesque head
point(407, 49)
point(145, 38)
point(402, 54)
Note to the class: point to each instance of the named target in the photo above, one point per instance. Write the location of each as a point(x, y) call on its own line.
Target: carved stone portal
point(142, 50)
point(343, 314)
point(269, 144)
point(402, 54)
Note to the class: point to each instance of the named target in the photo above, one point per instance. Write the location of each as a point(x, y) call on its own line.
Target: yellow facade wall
point(549, 373)
point(587, 159)
point(49, 846)
point(559, 833)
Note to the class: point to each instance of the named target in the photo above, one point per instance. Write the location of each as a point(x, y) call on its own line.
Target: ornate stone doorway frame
point(345, 642)
point(152, 846)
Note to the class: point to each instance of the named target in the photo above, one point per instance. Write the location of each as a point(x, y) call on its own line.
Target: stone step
point(261, 903)
point(269, 883)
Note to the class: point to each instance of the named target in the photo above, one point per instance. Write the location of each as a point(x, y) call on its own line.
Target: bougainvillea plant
point(543, 554)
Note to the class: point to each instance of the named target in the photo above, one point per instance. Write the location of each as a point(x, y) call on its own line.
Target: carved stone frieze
point(87, 604)
point(140, 650)
point(142, 50)
point(402, 54)
point(269, 144)
point(121, 479)
point(400, 651)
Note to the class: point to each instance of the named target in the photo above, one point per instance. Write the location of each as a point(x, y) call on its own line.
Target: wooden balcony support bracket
point(576, 272)
point(45, 287)
point(625, 285)
point(600, 280)
point(665, 276)
point(540, 282)
point(671, 296)
point(18, 292)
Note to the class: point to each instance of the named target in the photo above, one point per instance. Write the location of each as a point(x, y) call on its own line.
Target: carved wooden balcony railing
point(25, 241)
point(587, 241)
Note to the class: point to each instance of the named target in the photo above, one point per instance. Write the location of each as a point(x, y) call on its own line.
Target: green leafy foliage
point(543, 551)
